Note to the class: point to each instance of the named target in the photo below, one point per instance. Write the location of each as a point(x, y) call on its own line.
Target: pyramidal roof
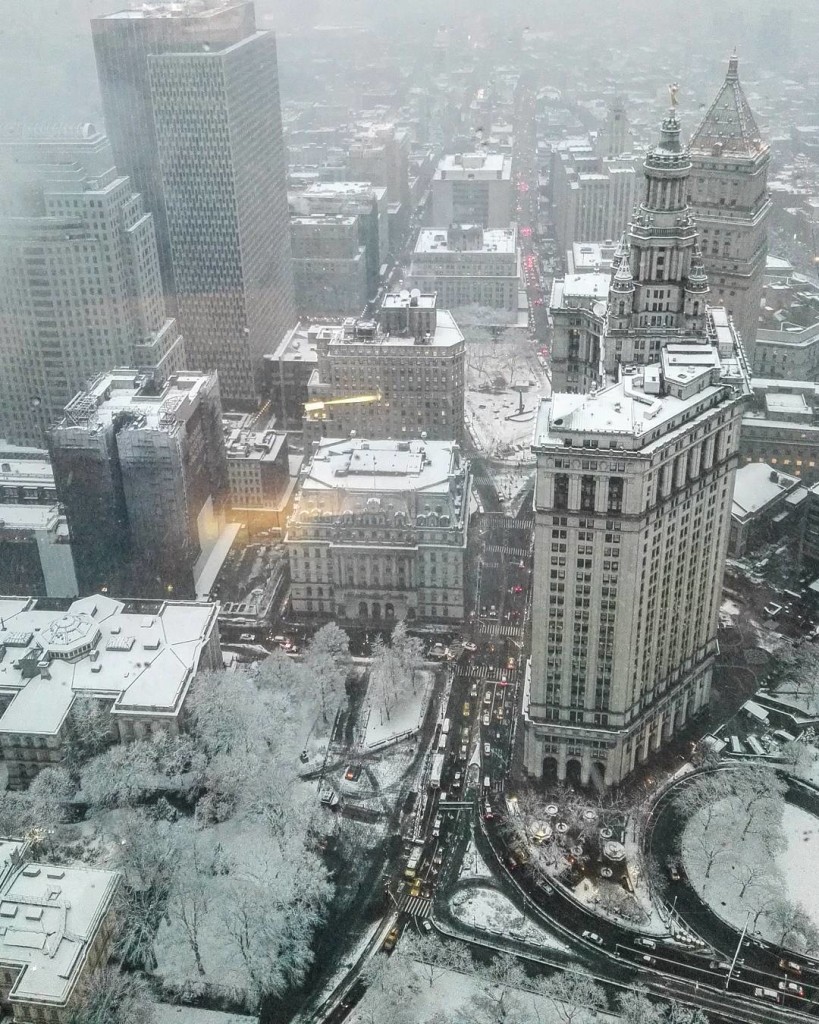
point(729, 125)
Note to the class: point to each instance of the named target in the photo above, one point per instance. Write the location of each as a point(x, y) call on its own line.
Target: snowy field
point(490, 911)
point(401, 714)
point(473, 864)
point(745, 879)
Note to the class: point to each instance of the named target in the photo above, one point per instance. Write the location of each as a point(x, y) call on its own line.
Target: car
point(510, 664)
point(463, 753)
point(719, 965)
point(436, 826)
point(487, 750)
point(485, 719)
point(469, 646)
point(674, 872)
point(767, 993)
point(488, 814)
point(499, 713)
point(547, 890)
point(592, 937)
point(353, 772)
point(473, 690)
point(792, 988)
point(467, 709)
point(511, 863)
point(791, 967)
point(487, 697)
point(649, 960)
point(504, 681)
point(646, 943)
point(247, 638)
point(438, 859)
point(456, 780)
point(390, 941)
point(426, 924)
point(416, 888)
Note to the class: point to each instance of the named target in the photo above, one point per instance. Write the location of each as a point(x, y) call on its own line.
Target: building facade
point(329, 266)
point(781, 427)
point(473, 188)
point(632, 515)
point(791, 353)
point(142, 474)
point(138, 658)
point(465, 265)
point(729, 198)
point(75, 908)
point(401, 377)
point(259, 478)
point(80, 288)
point(378, 532)
point(216, 169)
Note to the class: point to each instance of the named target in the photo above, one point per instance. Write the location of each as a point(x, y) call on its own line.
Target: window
point(561, 499)
point(588, 486)
point(615, 503)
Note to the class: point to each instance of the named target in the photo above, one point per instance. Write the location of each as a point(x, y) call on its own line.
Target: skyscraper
point(191, 90)
point(729, 198)
point(80, 289)
point(633, 499)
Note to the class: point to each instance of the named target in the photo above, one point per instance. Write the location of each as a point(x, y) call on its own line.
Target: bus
point(413, 861)
point(444, 736)
point(437, 771)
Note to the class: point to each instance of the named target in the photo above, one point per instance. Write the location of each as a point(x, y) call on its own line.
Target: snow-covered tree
point(636, 1008)
point(433, 958)
point(571, 995)
point(88, 732)
point(113, 997)
point(677, 1013)
point(325, 666)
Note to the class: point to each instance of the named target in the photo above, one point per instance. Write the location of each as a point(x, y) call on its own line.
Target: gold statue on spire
point(673, 91)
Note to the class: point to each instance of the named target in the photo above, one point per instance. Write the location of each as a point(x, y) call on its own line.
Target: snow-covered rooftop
point(474, 166)
point(142, 656)
point(360, 465)
point(567, 291)
point(49, 917)
point(757, 485)
point(435, 240)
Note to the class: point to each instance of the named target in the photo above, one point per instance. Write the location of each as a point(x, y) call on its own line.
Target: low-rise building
point(767, 503)
point(378, 532)
point(781, 428)
point(258, 476)
point(137, 657)
point(465, 265)
point(790, 353)
point(58, 927)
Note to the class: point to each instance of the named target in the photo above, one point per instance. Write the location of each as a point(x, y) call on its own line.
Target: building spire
point(729, 125)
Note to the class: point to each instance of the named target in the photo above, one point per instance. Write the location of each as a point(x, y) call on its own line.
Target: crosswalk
point(494, 629)
point(479, 671)
point(416, 906)
point(505, 549)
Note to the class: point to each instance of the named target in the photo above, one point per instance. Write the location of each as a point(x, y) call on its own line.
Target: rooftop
point(757, 485)
point(435, 240)
point(253, 446)
point(300, 344)
point(356, 464)
point(477, 166)
point(368, 332)
point(176, 9)
point(574, 288)
point(143, 655)
point(49, 916)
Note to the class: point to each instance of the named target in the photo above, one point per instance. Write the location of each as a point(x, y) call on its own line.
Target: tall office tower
point(190, 92)
point(80, 289)
point(729, 198)
point(658, 290)
point(632, 515)
point(615, 138)
point(142, 474)
point(473, 188)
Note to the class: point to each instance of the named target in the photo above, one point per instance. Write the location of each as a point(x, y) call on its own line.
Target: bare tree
point(636, 1008)
point(677, 1013)
point(113, 997)
point(572, 995)
point(433, 957)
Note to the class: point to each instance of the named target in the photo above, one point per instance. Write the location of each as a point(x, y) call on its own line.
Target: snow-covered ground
point(164, 1013)
point(473, 864)
point(788, 873)
point(402, 715)
point(491, 911)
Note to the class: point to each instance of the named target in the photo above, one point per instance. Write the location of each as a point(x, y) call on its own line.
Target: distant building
point(766, 504)
point(810, 539)
point(781, 427)
point(213, 171)
point(401, 377)
point(379, 153)
point(593, 195)
point(138, 658)
point(79, 277)
point(729, 199)
point(473, 188)
point(359, 199)
point(59, 926)
point(259, 476)
point(329, 266)
point(466, 265)
point(378, 532)
point(35, 545)
point(790, 353)
point(142, 475)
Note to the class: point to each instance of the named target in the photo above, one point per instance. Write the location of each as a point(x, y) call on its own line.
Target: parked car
point(792, 988)
point(485, 720)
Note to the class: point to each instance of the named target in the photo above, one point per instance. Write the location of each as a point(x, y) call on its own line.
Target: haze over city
point(409, 512)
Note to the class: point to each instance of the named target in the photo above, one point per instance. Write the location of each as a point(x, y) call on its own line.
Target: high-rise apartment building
point(142, 474)
point(198, 88)
point(80, 288)
point(633, 495)
point(729, 198)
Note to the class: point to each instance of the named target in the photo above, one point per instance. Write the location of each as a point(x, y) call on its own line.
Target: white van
point(487, 782)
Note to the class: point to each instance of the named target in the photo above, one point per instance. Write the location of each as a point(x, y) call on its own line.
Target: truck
point(437, 771)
